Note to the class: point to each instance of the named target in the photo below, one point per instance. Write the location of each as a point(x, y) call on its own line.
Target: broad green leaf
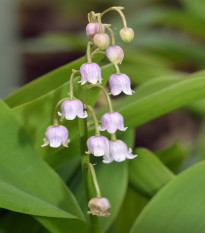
point(57, 225)
point(132, 206)
point(147, 174)
point(45, 84)
point(200, 146)
point(28, 185)
point(178, 207)
point(172, 156)
point(12, 222)
point(154, 102)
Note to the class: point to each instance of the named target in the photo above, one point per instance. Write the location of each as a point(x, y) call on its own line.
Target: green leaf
point(20, 223)
point(147, 174)
point(178, 207)
point(132, 206)
point(45, 84)
point(28, 185)
point(172, 156)
point(57, 225)
point(152, 101)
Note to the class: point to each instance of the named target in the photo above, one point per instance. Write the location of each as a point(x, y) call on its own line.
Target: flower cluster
point(111, 121)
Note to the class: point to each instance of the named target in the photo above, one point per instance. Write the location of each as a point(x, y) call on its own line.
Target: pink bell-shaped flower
point(90, 72)
point(93, 28)
point(119, 152)
point(112, 121)
point(99, 206)
point(115, 54)
point(55, 136)
point(98, 146)
point(71, 109)
point(120, 83)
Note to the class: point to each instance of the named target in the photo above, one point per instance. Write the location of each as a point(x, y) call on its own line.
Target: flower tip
point(45, 143)
point(99, 206)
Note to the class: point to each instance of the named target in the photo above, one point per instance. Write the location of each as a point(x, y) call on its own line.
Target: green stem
point(74, 72)
point(95, 182)
point(97, 131)
point(111, 33)
point(89, 17)
point(55, 115)
point(93, 17)
point(92, 123)
point(119, 10)
point(113, 136)
point(100, 24)
point(117, 69)
point(85, 160)
point(88, 52)
point(106, 94)
point(97, 51)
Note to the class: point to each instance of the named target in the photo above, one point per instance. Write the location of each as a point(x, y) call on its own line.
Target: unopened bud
point(99, 206)
point(101, 40)
point(115, 54)
point(127, 34)
point(93, 28)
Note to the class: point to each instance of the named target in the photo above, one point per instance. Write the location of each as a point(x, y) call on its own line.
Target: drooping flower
point(93, 28)
point(115, 54)
point(71, 109)
point(90, 72)
point(99, 206)
point(98, 146)
point(120, 83)
point(119, 152)
point(112, 121)
point(55, 136)
point(127, 34)
point(101, 40)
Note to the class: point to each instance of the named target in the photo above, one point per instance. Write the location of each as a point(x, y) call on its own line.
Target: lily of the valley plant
point(111, 149)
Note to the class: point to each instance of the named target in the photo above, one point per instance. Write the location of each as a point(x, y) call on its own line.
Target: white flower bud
point(102, 41)
point(127, 34)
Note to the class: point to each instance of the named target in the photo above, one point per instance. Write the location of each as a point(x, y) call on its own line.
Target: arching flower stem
point(97, 131)
point(74, 72)
point(100, 23)
point(119, 10)
point(88, 52)
point(55, 115)
point(117, 69)
point(95, 182)
point(107, 26)
point(106, 94)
